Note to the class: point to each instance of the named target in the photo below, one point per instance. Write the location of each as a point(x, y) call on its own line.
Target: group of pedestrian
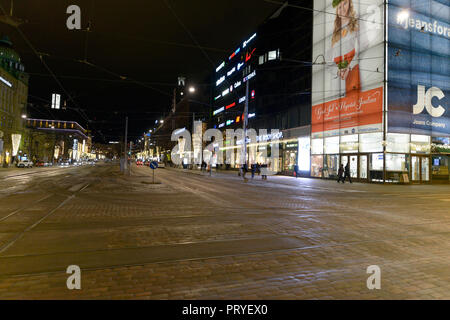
point(255, 168)
point(343, 173)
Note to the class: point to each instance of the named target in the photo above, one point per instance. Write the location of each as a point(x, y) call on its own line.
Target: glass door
point(363, 165)
point(425, 170)
point(354, 166)
point(415, 169)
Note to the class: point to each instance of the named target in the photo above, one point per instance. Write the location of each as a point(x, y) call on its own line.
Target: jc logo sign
point(424, 101)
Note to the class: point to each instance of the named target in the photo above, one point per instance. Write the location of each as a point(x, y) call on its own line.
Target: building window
point(397, 142)
point(316, 166)
point(371, 142)
point(273, 55)
point(262, 59)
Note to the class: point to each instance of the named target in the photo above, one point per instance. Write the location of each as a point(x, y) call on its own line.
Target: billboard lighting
point(403, 16)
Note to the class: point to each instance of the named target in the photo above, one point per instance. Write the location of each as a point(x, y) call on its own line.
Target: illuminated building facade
point(13, 102)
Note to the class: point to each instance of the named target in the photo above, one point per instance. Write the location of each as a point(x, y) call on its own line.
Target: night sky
point(135, 49)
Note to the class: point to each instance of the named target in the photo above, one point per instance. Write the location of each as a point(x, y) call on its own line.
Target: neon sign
point(220, 67)
point(237, 84)
point(234, 54)
point(251, 75)
point(229, 73)
point(249, 56)
point(230, 122)
point(242, 99)
point(230, 106)
point(251, 115)
point(218, 111)
point(240, 65)
point(218, 97)
point(249, 40)
point(225, 92)
point(222, 79)
point(221, 125)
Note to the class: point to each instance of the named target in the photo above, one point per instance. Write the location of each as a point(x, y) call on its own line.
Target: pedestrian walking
point(264, 170)
point(253, 171)
point(347, 173)
point(341, 174)
point(296, 171)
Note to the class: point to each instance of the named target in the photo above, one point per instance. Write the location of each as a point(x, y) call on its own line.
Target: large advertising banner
point(348, 68)
point(419, 67)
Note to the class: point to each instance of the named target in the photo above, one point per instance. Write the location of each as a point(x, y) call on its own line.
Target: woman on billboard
point(344, 45)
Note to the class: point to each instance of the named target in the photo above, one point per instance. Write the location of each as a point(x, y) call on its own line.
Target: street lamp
point(24, 116)
point(191, 89)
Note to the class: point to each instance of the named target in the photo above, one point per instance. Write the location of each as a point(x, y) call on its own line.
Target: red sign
point(355, 110)
point(230, 106)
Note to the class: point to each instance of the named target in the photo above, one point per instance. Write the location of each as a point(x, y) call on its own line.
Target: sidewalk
point(323, 184)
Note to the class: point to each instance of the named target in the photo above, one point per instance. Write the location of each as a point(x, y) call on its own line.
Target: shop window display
point(396, 166)
point(376, 167)
point(316, 166)
point(331, 167)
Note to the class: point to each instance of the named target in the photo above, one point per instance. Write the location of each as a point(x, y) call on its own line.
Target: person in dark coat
point(253, 170)
point(341, 174)
point(296, 171)
point(347, 173)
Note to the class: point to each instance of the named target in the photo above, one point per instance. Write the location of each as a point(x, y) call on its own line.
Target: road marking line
point(18, 210)
point(20, 235)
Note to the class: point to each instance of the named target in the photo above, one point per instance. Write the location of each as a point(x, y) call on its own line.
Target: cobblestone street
point(199, 237)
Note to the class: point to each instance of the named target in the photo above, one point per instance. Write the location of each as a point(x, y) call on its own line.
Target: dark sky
point(138, 39)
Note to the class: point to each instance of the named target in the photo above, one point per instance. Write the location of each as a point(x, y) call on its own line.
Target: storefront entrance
point(353, 159)
point(420, 169)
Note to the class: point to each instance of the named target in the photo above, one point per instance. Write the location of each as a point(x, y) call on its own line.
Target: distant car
point(40, 164)
point(139, 163)
point(25, 164)
point(64, 163)
point(161, 165)
point(48, 164)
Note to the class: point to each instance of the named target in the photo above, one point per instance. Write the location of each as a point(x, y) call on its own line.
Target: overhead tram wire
point(28, 42)
point(315, 10)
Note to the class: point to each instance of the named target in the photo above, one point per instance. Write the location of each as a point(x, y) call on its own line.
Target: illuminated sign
point(249, 40)
point(242, 99)
point(218, 111)
point(220, 67)
point(230, 105)
point(221, 125)
point(251, 75)
point(222, 79)
point(225, 92)
point(229, 73)
point(9, 84)
point(253, 94)
point(229, 122)
point(270, 137)
point(249, 56)
point(238, 119)
point(234, 54)
point(251, 115)
point(304, 154)
point(240, 65)
point(56, 101)
point(218, 97)
point(237, 84)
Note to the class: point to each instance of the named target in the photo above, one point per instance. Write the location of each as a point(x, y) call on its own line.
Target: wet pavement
point(199, 237)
